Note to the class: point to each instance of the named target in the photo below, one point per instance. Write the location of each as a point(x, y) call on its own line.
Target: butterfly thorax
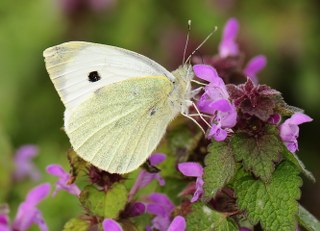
point(181, 93)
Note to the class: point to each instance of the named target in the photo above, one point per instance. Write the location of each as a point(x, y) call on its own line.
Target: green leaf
point(76, 224)
point(257, 153)
point(219, 168)
point(307, 220)
point(205, 219)
point(104, 204)
point(296, 161)
point(272, 204)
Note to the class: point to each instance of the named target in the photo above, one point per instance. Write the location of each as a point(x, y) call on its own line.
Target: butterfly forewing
point(70, 65)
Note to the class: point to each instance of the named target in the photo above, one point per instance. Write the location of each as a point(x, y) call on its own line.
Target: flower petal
point(157, 158)
point(255, 65)
point(161, 199)
point(56, 170)
point(38, 193)
point(299, 118)
point(205, 72)
point(178, 224)
point(23, 163)
point(228, 46)
point(191, 169)
point(111, 225)
point(136, 209)
point(217, 133)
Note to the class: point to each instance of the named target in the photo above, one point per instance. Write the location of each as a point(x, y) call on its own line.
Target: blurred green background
point(287, 32)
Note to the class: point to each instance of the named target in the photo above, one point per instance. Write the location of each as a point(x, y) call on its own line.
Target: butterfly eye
point(94, 76)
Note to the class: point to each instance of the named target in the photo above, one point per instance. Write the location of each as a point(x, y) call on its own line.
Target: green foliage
point(104, 204)
point(257, 153)
point(294, 159)
point(76, 224)
point(307, 220)
point(273, 204)
point(219, 167)
point(6, 166)
point(205, 219)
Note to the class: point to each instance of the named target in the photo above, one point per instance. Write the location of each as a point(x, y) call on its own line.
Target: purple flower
point(23, 163)
point(159, 205)
point(62, 183)
point(215, 101)
point(274, 119)
point(228, 45)
point(289, 130)
point(145, 177)
point(255, 65)
point(4, 219)
point(111, 225)
point(178, 224)
point(194, 170)
point(28, 213)
point(135, 209)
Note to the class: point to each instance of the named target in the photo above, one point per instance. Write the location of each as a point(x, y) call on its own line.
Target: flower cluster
point(28, 213)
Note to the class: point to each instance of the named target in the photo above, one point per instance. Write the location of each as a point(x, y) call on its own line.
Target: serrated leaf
point(104, 204)
point(205, 219)
point(257, 153)
point(272, 204)
point(307, 220)
point(76, 224)
point(219, 168)
point(296, 161)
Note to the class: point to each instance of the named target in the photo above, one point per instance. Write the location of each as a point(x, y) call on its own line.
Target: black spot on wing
point(94, 76)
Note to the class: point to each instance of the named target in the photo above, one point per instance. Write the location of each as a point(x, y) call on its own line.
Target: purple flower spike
point(160, 206)
point(228, 45)
point(255, 65)
point(28, 213)
point(111, 225)
point(178, 224)
point(23, 163)
point(194, 170)
point(145, 177)
point(62, 183)
point(289, 130)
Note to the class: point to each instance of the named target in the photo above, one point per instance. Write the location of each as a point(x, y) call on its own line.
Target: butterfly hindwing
point(118, 127)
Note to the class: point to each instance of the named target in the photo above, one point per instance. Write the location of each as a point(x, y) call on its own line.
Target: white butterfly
point(118, 103)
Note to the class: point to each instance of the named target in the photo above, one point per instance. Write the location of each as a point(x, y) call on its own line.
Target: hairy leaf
point(257, 153)
point(104, 204)
point(307, 220)
point(76, 224)
point(272, 204)
point(219, 168)
point(205, 219)
point(294, 159)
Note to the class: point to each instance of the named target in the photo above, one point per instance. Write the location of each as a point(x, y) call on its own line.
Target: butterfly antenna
point(201, 117)
point(201, 44)
point(187, 42)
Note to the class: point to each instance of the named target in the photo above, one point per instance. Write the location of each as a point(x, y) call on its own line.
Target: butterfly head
point(181, 93)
